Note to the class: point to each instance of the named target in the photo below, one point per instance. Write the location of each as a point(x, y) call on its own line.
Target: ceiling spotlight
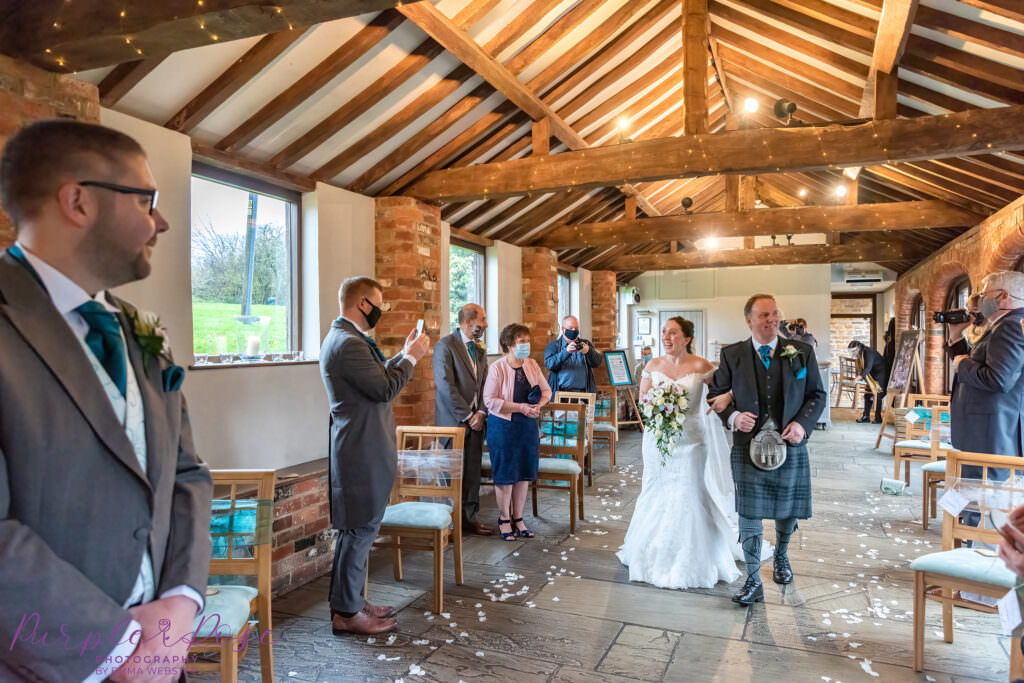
point(686, 203)
point(711, 243)
point(840, 190)
point(784, 109)
point(623, 124)
point(750, 105)
point(802, 192)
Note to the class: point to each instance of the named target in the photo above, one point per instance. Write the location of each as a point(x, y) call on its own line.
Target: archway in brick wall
point(905, 308)
point(1007, 254)
point(935, 299)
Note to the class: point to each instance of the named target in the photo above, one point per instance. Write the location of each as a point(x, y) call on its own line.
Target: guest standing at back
point(360, 386)
point(514, 394)
point(572, 360)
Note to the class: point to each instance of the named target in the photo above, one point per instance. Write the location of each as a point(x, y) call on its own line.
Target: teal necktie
point(472, 350)
point(104, 340)
point(376, 349)
point(766, 355)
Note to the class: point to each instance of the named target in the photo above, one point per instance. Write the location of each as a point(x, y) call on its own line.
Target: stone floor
point(561, 608)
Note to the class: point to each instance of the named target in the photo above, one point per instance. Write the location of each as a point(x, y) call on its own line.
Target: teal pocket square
point(172, 377)
point(802, 373)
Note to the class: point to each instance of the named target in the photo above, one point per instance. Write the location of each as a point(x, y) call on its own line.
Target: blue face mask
point(522, 350)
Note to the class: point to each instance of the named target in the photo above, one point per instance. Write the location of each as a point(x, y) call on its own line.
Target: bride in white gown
point(683, 533)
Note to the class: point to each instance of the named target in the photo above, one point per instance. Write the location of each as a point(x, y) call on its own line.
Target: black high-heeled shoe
point(510, 536)
point(522, 533)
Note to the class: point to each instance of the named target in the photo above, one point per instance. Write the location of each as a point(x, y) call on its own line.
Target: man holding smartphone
point(572, 360)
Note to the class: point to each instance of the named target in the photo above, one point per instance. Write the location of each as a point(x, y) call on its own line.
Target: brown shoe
point(379, 611)
point(476, 528)
point(361, 623)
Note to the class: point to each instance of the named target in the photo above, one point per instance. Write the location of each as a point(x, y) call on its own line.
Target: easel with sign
point(905, 364)
point(621, 378)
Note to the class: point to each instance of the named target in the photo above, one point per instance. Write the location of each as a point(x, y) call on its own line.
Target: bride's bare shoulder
point(701, 365)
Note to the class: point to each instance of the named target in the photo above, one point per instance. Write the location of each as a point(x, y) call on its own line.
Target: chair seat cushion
point(922, 444)
point(225, 613)
point(558, 466)
point(937, 466)
point(604, 427)
point(418, 514)
point(964, 563)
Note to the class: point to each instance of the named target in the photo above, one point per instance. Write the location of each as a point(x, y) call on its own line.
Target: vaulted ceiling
point(374, 102)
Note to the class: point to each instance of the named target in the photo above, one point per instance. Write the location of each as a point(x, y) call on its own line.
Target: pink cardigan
point(501, 382)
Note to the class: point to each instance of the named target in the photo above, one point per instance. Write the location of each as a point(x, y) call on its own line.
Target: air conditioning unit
point(863, 278)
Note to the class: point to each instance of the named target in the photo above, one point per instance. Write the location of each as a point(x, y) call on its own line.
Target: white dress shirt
point(757, 349)
point(66, 297)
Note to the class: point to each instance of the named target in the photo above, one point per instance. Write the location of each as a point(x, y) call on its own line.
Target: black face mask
point(373, 316)
point(572, 334)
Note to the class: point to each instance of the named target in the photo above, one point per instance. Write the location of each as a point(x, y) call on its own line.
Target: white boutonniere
point(150, 335)
point(790, 353)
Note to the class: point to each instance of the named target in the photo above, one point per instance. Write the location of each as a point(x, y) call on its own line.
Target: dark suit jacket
point(567, 368)
point(363, 457)
point(76, 510)
point(804, 398)
point(874, 365)
point(457, 383)
point(988, 391)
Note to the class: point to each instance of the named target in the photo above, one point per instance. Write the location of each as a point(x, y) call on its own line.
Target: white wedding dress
point(683, 533)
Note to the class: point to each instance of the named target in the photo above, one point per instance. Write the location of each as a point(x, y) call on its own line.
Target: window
point(465, 278)
point(564, 296)
point(244, 274)
point(958, 293)
point(917, 321)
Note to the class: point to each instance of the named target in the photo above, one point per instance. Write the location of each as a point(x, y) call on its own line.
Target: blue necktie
point(766, 355)
point(373, 345)
point(104, 340)
point(472, 350)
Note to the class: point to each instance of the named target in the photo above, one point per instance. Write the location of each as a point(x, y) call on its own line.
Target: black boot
point(751, 592)
point(863, 418)
point(782, 573)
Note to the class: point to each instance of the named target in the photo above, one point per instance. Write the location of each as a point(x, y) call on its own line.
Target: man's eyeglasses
point(152, 194)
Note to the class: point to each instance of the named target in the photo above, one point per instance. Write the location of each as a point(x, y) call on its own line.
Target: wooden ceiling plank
point(802, 254)
point(1010, 9)
point(553, 35)
point(76, 36)
point(806, 148)
point(317, 77)
point(830, 13)
point(695, 66)
point(973, 187)
point(800, 220)
point(611, 106)
point(520, 24)
point(903, 175)
point(966, 70)
point(124, 77)
point(893, 32)
point(972, 31)
point(823, 29)
point(244, 69)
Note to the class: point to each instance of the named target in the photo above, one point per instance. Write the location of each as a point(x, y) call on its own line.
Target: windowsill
point(251, 364)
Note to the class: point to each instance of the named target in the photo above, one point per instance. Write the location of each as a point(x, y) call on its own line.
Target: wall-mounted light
point(686, 203)
point(750, 105)
point(784, 110)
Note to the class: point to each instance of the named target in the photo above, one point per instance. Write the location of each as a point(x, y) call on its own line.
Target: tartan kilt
point(778, 494)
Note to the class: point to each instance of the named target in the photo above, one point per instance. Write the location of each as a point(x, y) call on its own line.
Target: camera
point(956, 317)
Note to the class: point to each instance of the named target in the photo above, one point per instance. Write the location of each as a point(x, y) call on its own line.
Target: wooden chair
point(590, 401)
point(849, 380)
point(241, 529)
point(933, 475)
point(431, 525)
point(606, 420)
point(927, 439)
point(938, 576)
point(562, 454)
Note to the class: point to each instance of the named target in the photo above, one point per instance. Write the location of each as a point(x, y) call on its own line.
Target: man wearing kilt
point(773, 383)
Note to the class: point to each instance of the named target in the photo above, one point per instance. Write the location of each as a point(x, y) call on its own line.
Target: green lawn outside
point(211, 320)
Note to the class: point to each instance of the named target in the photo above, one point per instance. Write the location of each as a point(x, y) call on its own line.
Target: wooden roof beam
point(769, 256)
point(977, 131)
point(695, 66)
point(123, 78)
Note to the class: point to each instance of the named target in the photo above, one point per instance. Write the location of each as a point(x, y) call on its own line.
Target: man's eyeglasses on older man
point(123, 189)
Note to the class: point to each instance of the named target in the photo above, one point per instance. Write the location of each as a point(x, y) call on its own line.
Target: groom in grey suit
point(460, 370)
point(360, 386)
point(104, 504)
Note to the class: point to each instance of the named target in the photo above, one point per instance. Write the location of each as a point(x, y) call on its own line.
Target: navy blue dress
point(514, 446)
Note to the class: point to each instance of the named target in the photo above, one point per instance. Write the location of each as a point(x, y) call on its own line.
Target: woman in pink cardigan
point(514, 392)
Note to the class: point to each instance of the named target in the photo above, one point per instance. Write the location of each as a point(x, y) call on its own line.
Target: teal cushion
point(418, 514)
point(937, 466)
point(604, 427)
point(225, 613)
point(922, 444)
point(558, 466)
point(964, 563)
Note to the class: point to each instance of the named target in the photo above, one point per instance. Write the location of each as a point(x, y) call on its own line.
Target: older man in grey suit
point(460, 370)
point(104, 505)
point(987, 403)
point(360, 387)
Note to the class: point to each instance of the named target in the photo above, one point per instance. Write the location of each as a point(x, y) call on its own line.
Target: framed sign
point(643, 325)
point(618, 368)
point(903, 363)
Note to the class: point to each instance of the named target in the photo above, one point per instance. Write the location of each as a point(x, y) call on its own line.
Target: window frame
point(561, 273)
point(293, 219)
point(482, 278)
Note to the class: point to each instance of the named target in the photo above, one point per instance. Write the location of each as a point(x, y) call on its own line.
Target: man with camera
point(987, 402)
point(571, 360)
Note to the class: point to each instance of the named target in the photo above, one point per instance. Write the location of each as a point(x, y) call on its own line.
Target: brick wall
point(995, 244)
point(27, 94)
point(303, 539)
point(845, 330)
point(407, 242)
point(540, 298)
point(604, 316)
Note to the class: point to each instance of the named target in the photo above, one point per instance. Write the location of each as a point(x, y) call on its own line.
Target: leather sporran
point(767, 450)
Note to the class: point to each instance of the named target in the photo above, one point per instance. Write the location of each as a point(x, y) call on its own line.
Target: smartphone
point(419, 327)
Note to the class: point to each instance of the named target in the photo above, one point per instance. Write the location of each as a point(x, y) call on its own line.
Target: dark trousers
point(472, 452)
point(868, 400)
point(348, 576)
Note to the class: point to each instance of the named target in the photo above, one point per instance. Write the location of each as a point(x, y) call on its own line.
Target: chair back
point(241, 524)
point(928, 424)
point(847, 369)
point(559, 428)
point(429, 465)
point(584, 398)
point(606, 409)
point(993, 485)
point(928, 400)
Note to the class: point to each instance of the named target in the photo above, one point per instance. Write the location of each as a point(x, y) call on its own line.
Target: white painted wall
point(885, 305)
point(250, 416)
point(581, 287)
point(801, 291)
point(504, 290)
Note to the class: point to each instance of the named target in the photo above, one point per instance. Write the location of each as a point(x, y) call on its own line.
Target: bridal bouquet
point(664, 409)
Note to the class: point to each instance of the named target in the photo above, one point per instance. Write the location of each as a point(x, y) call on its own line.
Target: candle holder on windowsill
point(252, 336)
